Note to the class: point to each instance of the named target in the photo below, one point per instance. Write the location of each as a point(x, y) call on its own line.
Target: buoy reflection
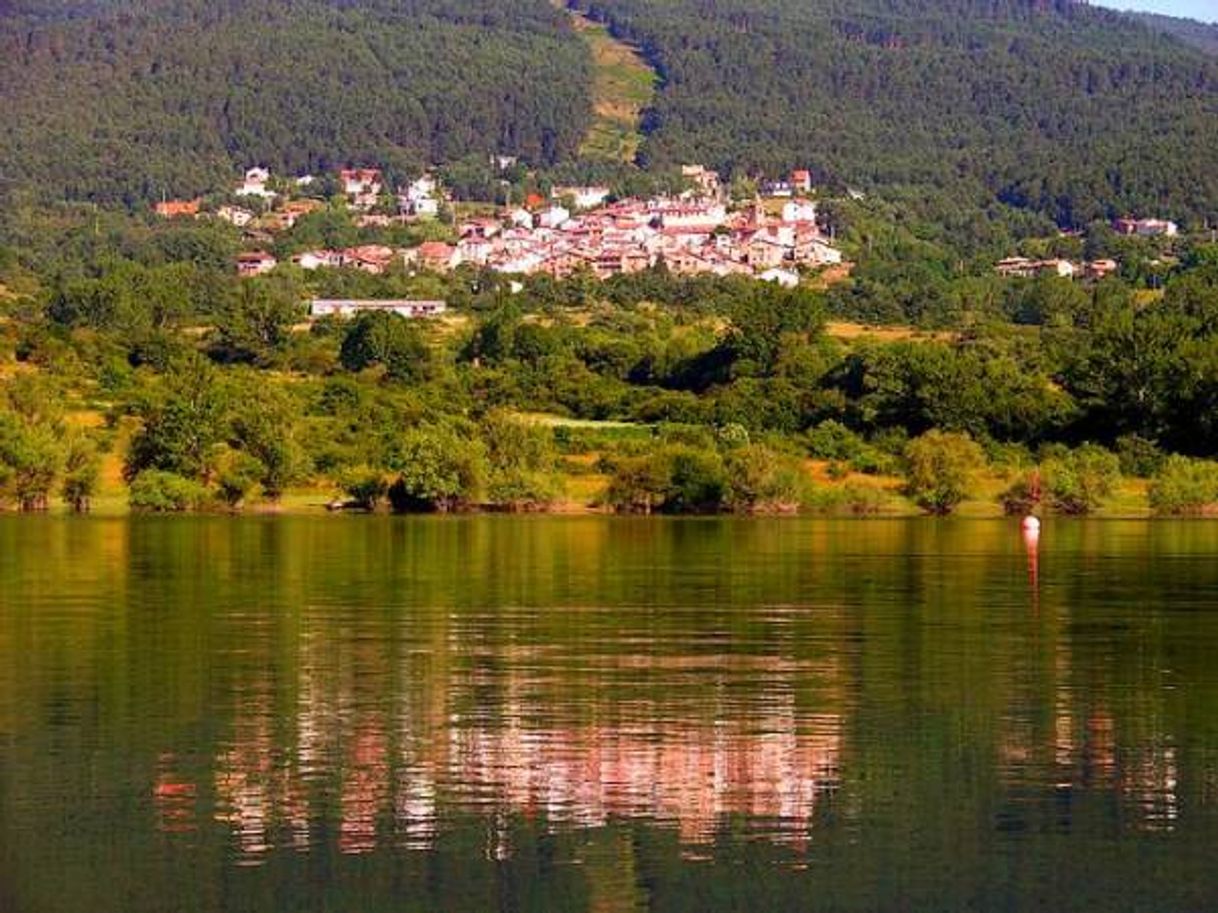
point(1031, 541)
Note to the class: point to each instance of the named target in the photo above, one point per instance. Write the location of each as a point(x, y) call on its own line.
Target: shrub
point(239, 473)
point(522, 462)
point(832, 440)
point(388, 340)
point(439, 470)
point(677, 479)
point(855, 500)
point(733, 434)
point(1023, 496)
point(872, 461)
point(1003, 454)
point(697, 482)
point(157, 491)
point(761, 479)
point(30, 460)
point(521, 489)
point(1139, 456)
point(940, 469)
point(637, 484)
point(1078, 481)
point(695, 436)
point(1185, 486)
point(365, 487)
point(82, 470)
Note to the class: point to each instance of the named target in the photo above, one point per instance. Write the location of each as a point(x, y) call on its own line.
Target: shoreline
point(318, 511)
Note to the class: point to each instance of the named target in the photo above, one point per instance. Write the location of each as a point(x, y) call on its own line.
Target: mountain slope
point(978, 112)
point(1200, 35)
point(128, 100)
point(1071, 111)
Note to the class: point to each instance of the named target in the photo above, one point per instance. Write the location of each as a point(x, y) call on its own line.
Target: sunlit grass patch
point(623, 85)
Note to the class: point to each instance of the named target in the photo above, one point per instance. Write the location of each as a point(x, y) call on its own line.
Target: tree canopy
point(1049, 105)
point(127, 101)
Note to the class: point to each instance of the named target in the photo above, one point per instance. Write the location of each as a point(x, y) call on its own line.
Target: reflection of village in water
point(354, 688)
point(727, 745)
point(399, 770)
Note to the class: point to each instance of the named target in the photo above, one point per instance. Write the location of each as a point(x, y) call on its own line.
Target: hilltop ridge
point(1201, 35)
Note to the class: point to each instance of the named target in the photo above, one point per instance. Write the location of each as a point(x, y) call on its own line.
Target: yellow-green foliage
point(1185, 486)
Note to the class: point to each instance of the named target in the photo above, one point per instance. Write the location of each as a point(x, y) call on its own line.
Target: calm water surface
point(474, 714)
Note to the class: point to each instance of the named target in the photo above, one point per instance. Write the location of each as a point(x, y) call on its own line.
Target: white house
point(821, 253)
point(1022, 267)
point(799, 211)
point(425, 208)
point(706, 218)
point(360, 181)
point(525, 263)
point(325, 307)
point(421, 198)
point(705, 180)
point(554, 217)
point(255, 263)
point(583, 197)
point(476, 250)
point(421, 188)
point(255, 183)
point(235, 215)
point(784, 277)
point(1157, 228)
point(317, 259)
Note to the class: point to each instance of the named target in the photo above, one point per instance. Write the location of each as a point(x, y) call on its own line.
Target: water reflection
point(609, 693)
point(1031, 544)
point(505, 734)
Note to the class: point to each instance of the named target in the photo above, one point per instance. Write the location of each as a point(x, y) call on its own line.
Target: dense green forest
point(1070, 111)
point(127, 101)
point(985, 119)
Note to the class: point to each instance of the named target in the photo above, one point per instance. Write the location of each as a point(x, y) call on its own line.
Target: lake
point(589, 713)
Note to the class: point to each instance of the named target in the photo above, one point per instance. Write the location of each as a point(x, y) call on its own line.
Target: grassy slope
point(623, 85)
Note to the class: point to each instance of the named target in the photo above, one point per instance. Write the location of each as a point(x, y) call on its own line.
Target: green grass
point(623, 85)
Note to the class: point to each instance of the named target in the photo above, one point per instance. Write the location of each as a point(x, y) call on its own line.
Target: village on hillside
point(1093, 270)
point(774, 237)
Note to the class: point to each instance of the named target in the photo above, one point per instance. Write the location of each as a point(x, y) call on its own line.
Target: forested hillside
point(1072, 111)
point(1200, 35)
point(124, 101)
point(986, 117)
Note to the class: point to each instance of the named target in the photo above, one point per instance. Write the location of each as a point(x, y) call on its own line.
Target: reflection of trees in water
point(379, 684)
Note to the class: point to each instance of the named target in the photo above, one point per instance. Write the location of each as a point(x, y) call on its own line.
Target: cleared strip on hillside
point(623, 85)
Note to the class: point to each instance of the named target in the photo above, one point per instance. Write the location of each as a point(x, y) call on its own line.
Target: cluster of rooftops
point(776, 236)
